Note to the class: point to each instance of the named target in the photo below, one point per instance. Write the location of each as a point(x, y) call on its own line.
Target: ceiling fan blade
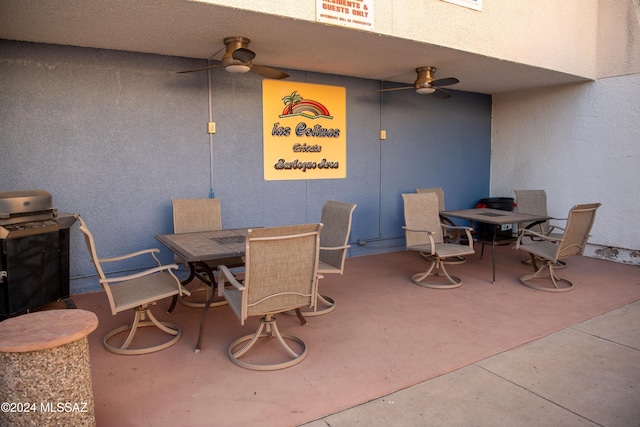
point(445, 82)
point(243, 54)
point(395, 88)
point(199, 69)
point(441, 93)
point(268, 72)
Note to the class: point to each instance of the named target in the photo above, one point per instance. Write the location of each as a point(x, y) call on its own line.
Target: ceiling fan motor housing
point(423, 81)
point(425, 76)
point(229, 62)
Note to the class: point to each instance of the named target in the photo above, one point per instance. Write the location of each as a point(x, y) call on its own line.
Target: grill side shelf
point(16, 231)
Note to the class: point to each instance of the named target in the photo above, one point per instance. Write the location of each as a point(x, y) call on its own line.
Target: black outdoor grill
point(34, 263)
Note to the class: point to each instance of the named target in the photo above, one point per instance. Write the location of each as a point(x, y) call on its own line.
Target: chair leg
point(559, 284)
point(267, 329)
point(324, 305)
point(254, 338)
point(141, 313)
point(436, 269)
point(301, 318)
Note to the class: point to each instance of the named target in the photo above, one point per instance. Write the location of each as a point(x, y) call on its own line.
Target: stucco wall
point(581, 144)
point(518, 31)
point(114, 136)
point(618, 38)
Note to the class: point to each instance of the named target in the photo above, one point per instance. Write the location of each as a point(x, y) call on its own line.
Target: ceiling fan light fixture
point(425, 90)
point(237, 69)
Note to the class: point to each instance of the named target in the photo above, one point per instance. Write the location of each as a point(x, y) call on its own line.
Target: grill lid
point(24, 202)
point(22, 206)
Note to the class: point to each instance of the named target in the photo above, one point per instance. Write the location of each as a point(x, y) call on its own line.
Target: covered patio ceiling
point(196, 30)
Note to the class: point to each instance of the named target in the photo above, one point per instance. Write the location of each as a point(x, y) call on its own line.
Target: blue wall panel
point(115, 135)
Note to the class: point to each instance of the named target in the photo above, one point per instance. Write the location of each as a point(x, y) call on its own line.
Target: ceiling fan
point(425, 83)
point(237, 59)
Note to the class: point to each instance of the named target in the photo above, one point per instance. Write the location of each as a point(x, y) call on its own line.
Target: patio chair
point(136, 291)
point(424, 234)
point(336, 219)
point(450, 235)
point(200, 215)
point(535, 202)
point(281, 275)
point(549, 250)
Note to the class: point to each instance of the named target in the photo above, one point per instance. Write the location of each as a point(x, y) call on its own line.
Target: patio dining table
point(201, 250)
point(495, 217)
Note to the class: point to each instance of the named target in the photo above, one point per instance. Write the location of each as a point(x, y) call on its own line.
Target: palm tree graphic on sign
point(296, 105)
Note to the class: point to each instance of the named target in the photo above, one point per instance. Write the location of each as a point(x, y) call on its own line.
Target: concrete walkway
point(586, 375)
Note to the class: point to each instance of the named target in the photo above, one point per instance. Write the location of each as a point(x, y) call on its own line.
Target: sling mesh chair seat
point(424, 234)
point(281, 274)
point(548, 250)
point(138, 292)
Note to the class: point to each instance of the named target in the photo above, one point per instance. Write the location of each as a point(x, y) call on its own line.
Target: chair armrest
point(552, 226)
point(556, 227)
point(456, 227)
point(225, 275)
point(167, 267)
point(430, 234)
point(151, 251)
point(334, 248)
point(404, 227)
point(466, 229)
point(526, 232)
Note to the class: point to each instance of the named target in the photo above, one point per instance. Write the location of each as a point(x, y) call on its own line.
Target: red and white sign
point(348, 13)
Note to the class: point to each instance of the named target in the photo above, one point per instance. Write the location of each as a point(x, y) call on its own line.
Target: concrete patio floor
point(393, 353)
point(585, 375)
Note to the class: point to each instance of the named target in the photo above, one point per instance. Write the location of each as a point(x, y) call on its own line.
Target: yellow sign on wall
point(305, 130)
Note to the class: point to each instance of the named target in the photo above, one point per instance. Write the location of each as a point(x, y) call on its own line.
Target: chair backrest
point(421, 212)
point(438, 191)
point(576, 233)
point(533, 202)
point(91, 247)
point(281, 269)
point(336, 218)
point(194, 215)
